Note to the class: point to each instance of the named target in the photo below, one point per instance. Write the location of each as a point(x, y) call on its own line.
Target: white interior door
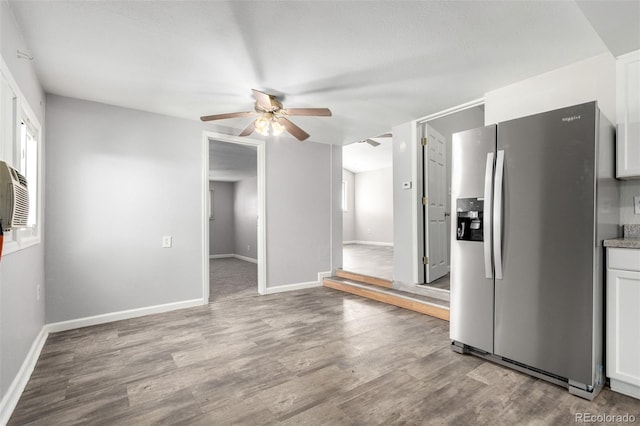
point(434, 202)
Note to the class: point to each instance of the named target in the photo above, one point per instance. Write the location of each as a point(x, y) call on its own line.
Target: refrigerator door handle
point(497, 216)
point(486, 225)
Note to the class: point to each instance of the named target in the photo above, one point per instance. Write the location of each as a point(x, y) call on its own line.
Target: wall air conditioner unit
point(14, 198)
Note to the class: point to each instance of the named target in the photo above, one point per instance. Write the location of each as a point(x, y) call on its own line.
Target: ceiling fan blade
point(296, 131)
point(371, 142)
point(310, 112)
point(228, 115)
point(263, 99)
point(249, 129)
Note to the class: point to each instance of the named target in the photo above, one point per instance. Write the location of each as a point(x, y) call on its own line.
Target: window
point(20, 140)
point(344, 195)
point(28, 153)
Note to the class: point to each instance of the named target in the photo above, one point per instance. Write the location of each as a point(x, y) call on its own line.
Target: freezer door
point(471, 271)
point(544, 301)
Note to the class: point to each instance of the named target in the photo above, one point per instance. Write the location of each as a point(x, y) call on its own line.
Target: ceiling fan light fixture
point(272, 117)
point(262, 125)
point(276, 128)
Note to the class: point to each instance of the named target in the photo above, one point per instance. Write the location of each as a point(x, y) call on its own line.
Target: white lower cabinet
point(623, 320)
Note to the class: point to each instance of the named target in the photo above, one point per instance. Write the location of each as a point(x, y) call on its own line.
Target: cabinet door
point(628, 107)
point(623, 326)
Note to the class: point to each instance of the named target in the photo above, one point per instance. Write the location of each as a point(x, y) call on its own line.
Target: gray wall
point(21, 315)
point(576, 83)
point(348, 217)
point(374, 206)
point(404, 157)
point(222, 228)
point(124, 178)
point(234, 229)
point(118, 180)
point(300, 212)
point(23, 71)
point(245, 214)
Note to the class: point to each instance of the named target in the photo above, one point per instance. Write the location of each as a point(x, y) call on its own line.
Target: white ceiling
point(362, 157)
point(616, 21)
point(232, 162)
point(374, 63)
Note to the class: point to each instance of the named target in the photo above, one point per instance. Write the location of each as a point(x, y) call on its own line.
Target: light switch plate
point(166, 241)
point(406, 185)
point(636, 205)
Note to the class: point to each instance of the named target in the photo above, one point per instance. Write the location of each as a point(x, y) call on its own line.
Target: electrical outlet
point(38, 292)
point(636, 205)
point(248, 247)
point(166, 241)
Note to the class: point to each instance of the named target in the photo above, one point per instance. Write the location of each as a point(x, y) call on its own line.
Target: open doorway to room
point(234, 211)
point(436, 161)
point(367, 207)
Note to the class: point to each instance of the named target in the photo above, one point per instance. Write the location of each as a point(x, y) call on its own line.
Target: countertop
point(631, 238)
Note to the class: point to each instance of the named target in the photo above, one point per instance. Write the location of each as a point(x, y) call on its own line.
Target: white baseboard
point(220, 256)
point(323, 275)
point(371, 243)
point(11, 398)
point(121, 315)
point(292, 287)
point(236, 256)
point(246, 259)
point(625, 388)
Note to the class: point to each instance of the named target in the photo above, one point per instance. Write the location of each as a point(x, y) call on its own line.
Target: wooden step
point(368, 279)
point(417, 303)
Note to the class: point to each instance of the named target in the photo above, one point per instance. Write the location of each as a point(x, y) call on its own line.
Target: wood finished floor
point(315, 356)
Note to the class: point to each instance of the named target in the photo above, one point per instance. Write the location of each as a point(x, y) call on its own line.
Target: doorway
point(367, 207)
point(233, 217)
point(436, 134)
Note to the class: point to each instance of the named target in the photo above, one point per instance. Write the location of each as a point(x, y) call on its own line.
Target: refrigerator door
point(471, 271)
point(544, 301)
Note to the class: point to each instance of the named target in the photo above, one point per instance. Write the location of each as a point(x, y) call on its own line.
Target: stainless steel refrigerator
point(534, 199)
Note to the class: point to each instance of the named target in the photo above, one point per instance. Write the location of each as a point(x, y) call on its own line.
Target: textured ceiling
point(232, 162)
point(376, 64)
point(616, 21)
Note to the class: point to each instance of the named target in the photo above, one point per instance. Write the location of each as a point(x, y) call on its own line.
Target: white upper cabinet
point(628, 116)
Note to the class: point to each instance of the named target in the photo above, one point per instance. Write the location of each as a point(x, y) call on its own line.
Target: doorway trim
point(262, 240)
point(417, 171)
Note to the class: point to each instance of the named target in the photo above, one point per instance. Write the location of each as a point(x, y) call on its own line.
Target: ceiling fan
point(374, 143)
point(272, 115)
